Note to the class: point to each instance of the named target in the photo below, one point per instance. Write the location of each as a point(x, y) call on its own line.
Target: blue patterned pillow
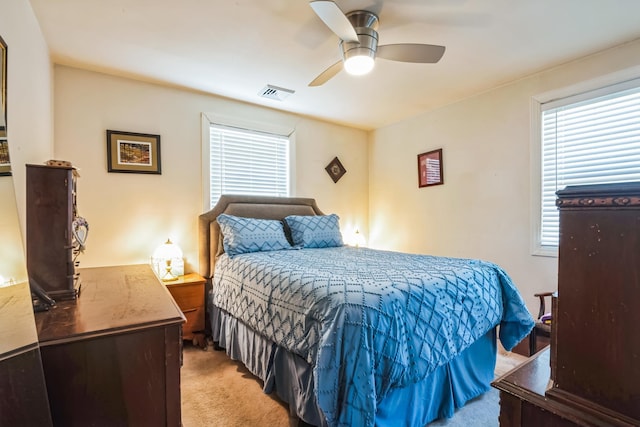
point(321, 231)
point(243, 235)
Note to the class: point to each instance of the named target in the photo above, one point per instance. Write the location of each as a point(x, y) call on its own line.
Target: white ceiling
point(234, 48)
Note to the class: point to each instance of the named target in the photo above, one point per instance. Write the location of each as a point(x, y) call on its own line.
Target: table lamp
point(167, 261)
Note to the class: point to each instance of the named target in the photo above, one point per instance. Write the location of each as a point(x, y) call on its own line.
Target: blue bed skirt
point(449, 387)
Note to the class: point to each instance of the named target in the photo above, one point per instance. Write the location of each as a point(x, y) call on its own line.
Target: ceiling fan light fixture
point(359, 57)
point(358, 65)
point(359, 42)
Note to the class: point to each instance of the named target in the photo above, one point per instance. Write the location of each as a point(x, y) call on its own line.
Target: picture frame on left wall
point(5, 163)
point(132, 152)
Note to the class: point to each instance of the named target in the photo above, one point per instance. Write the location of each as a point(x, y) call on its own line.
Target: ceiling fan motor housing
point(365, 23)
point(363, 18)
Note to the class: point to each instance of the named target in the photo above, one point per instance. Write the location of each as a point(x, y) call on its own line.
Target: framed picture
point(3, 88)
point(5, 163)
point(335, 170)
point(133, 152)
point(430, 170)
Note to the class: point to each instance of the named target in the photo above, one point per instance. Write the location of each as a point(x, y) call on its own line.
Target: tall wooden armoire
point(595, 357)
point(51, 209)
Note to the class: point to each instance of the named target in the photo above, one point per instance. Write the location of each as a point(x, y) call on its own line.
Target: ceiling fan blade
point(411, 52)
point(327, 74)
point(335, 19)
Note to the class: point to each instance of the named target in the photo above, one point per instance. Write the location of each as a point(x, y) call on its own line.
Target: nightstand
point(188, 292)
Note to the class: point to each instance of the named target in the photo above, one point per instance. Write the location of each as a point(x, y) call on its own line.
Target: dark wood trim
point(19, 351)
point(587, 409)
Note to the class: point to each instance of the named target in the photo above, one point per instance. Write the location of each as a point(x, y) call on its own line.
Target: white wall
point(29, 122)
point(483, 209)
point(130, 214)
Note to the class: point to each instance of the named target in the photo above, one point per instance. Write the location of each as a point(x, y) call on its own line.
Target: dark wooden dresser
point(591, 374)
point(112, 357)
point(23, 395)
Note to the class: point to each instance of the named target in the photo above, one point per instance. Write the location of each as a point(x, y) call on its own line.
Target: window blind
point(591, 138)
point(247, 162)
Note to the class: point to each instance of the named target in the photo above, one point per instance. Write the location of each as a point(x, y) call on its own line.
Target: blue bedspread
point(367, 320)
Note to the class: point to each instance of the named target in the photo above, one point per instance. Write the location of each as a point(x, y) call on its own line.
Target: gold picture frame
point(132, 152)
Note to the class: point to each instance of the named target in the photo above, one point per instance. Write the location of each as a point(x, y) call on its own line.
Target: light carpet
point(217, 391)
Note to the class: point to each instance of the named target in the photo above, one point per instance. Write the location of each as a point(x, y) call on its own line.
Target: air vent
point(275, 92)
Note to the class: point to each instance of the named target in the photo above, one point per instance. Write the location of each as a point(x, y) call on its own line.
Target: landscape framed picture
point(430, 170)
point(133, 152)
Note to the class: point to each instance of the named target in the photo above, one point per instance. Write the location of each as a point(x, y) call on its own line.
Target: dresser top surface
point(16, 319)
point(531, 377)
point(111, 299)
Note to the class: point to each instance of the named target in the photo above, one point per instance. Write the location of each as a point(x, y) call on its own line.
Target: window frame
point(536, 108)
point(208, 119)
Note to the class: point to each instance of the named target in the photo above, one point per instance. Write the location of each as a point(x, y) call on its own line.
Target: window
point(243, 161)
point(590, 138)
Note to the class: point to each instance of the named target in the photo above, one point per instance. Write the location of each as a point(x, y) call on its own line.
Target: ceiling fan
point(359, 42)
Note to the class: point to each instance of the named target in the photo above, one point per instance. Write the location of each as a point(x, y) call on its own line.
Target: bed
point(352, 336)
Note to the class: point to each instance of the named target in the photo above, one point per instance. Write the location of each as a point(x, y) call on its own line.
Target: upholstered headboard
point(209, 238)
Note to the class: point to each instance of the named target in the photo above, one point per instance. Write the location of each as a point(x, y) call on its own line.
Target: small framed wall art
point(335, 169)
point(5, 164)
point(430, 170)
point(132, 152)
